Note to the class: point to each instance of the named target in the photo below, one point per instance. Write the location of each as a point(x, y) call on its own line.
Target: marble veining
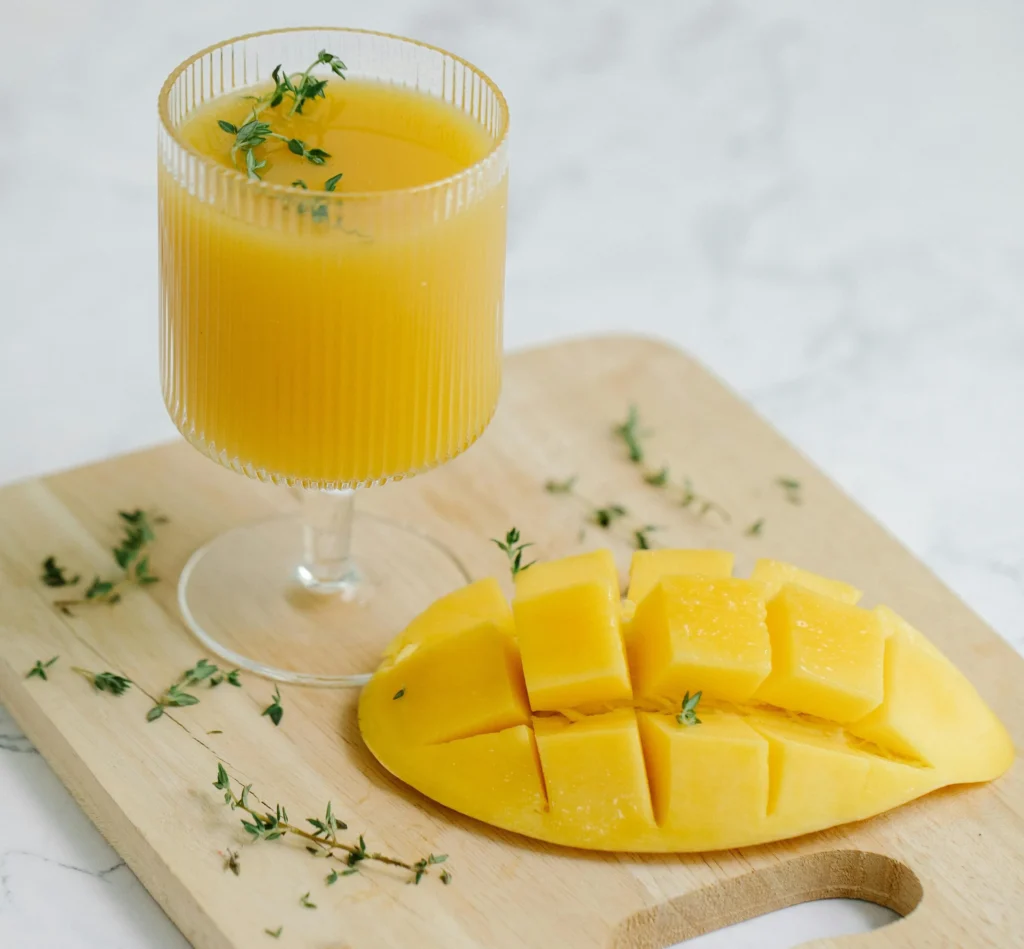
point(823, 202)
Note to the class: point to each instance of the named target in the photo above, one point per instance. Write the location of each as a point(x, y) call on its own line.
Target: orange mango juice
point(343, 338)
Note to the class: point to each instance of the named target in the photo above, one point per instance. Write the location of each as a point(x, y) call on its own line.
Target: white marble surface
point(824, 201)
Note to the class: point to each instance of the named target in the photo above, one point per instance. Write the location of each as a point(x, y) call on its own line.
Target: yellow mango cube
point(775, 574)
point(931, 712)
point(597, 566)
point(456, 686)
point(460, 610)
point(827, 657)
point(595, 775)
point(723, 752)
point(570, 639)
point(695, 634)
point(648, 567)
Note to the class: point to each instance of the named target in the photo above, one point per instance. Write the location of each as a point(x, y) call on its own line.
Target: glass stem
point(327, 565)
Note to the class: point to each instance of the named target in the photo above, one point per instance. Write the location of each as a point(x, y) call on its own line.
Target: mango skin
point(628, 776)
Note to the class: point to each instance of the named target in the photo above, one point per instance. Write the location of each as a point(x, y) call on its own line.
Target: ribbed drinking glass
point(328, 341)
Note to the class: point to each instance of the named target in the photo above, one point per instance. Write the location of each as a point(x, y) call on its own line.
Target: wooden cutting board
point(952, 862)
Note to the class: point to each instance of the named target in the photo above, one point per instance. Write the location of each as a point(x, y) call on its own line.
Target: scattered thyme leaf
point(98, 589)
point(304, 900)
point(399, 694)
point(38, 671)
point(231, 862)
point(203, 669)
point(332, 878)
point(275, 933)
point(702, 505)
point(755, 529)
point(688, 714)
point(274, 710)
point(657, 478)
point(641, 536)
point(630, 433)
point(54, 575)
point(792, 489)
point(176, 697)
point(514, 551)
point(420, 866)
point(553, 486)
point(446, 877)
point(606, 516)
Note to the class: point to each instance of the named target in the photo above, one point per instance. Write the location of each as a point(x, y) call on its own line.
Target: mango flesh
point(536, 719)
point(455, 613)
point(571, 645)
point(931, 711)
point(693, 633)
point(436, 699)
point(775, 574)
point(826, 656)
point(602, 751)
point(723, 752)
point(650, 567)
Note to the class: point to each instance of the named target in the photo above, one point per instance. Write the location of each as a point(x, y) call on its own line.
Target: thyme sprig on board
point(176, 696)
point(105, 681)
point(38, 671)
point(514, 550)
point(131, 555)
point(266, 823)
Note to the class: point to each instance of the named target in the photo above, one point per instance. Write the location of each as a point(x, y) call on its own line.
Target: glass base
point(246, 598)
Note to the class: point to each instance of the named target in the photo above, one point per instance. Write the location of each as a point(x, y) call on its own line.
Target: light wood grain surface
point(951, 862)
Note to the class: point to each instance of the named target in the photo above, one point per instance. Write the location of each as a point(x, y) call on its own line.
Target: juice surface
point(379, 136)
point(326, 339)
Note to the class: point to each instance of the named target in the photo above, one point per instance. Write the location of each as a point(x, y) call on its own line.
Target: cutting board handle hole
point(853, 874)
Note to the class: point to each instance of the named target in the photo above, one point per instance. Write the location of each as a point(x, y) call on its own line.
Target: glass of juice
point(332, 256)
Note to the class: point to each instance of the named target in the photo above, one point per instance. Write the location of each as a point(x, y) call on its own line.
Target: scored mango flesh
point(548, 718)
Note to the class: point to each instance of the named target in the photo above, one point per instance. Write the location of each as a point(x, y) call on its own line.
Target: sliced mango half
point(542, 718)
